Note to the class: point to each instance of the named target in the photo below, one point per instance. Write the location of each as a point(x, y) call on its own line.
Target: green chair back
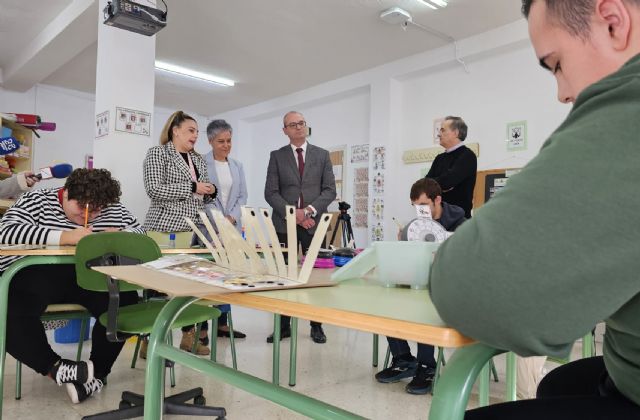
point(123, 248)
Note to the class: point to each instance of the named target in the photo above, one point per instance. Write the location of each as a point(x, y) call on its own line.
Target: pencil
point(86, 215)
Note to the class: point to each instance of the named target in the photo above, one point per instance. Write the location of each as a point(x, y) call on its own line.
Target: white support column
point(125, 79)
point(384, 125)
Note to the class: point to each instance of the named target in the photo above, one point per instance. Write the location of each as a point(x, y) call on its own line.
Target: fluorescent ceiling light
point(204, 77)
point(441, 3)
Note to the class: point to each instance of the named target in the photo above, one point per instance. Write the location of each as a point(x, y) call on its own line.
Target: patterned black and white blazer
point(169, 186)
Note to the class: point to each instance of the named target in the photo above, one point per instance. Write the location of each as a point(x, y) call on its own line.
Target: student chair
point(125, 248)
point(62, 311)
point(213, 339)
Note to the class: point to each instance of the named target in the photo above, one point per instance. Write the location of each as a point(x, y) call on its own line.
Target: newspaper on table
point(205, 271)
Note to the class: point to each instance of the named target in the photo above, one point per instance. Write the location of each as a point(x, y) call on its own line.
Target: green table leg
point(511, 377)
point(587, 346)
point(276, 349)
point(159, 350)
point(5, 282)
point(456, 381)
point(293, 351)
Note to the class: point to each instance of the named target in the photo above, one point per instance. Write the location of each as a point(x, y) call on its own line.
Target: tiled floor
point(338, 372)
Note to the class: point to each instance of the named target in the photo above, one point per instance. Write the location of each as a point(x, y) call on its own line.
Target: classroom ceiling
point(270, 48)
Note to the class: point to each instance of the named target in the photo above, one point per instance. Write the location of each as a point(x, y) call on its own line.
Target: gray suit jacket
point(283, 184)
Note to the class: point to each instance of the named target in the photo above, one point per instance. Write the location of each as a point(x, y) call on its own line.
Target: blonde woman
point(176, 181)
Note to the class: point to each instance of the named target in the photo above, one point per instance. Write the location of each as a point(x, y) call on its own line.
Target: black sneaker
point(80, 392)
point(422, 382)
point(401, 367)
point(67, 371)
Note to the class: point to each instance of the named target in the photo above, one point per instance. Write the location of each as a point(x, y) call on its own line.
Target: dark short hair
point(573, 15)
point(458, 123)
point(427, 186)
point(95, 187)
point(216, 127)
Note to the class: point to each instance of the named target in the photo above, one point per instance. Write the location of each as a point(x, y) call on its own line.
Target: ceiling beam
point(73, 30)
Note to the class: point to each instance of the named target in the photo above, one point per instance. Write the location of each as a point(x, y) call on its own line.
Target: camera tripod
point(344, 226)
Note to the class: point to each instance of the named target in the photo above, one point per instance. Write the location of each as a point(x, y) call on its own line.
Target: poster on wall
point(437, 124)
point(361, 197)
point(377, 233)
point(377, 188)
point(102, 124)
point(133, 122)
point(517, 136)
point(360, 153)
point(378, 158)
point(378, 183)
point(377, 210)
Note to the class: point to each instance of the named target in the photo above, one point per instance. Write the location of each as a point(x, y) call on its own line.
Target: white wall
point(73, 112)
point(395, 105)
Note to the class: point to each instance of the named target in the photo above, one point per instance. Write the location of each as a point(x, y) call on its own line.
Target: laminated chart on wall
point(377, 189)
point(132, 121)
point(377, 233)
point(377, 209)
point(360, 153)
point(378, 183)
point(360, 162)
point(378, 158)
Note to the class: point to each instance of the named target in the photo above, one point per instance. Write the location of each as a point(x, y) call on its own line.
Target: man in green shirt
point(558, 250)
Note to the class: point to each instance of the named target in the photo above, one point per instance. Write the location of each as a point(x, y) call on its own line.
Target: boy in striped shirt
point(88, 203)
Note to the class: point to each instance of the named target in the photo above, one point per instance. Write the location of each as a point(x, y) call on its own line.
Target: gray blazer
point(238, 193)
point(283, 184)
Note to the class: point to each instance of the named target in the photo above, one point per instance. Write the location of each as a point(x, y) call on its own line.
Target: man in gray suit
point(301, 175)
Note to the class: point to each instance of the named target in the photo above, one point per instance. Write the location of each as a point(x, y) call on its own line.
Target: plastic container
point(172, 240)
point(405, 263)
point(71, 332)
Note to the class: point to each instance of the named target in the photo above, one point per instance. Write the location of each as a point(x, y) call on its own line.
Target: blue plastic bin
point(71, 332)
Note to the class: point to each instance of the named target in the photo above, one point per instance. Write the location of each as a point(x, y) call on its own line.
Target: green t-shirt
point(558, 250)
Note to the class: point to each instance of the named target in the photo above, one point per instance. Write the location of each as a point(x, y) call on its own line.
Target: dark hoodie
point(452, 216)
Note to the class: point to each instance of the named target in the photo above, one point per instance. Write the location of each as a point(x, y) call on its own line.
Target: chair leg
point(386, 358)
point(439, 363)
point(18, 379)
point(233, 341)
point(493, 370)
point(214, 339)
point(136, 351)
point(83, 327)
point(196, 340)
point(375, 350)
point(172, 366)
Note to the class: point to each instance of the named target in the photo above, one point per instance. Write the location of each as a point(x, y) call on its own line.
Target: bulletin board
point(489, 183)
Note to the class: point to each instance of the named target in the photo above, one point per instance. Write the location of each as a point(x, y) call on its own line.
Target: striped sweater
point(38, 218)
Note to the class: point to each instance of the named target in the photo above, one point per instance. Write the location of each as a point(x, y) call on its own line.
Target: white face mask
point(423, 211)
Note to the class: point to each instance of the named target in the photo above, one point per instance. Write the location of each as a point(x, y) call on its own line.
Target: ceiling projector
point(134, 17)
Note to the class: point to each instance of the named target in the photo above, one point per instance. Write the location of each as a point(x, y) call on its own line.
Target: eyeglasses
point(298, 124)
